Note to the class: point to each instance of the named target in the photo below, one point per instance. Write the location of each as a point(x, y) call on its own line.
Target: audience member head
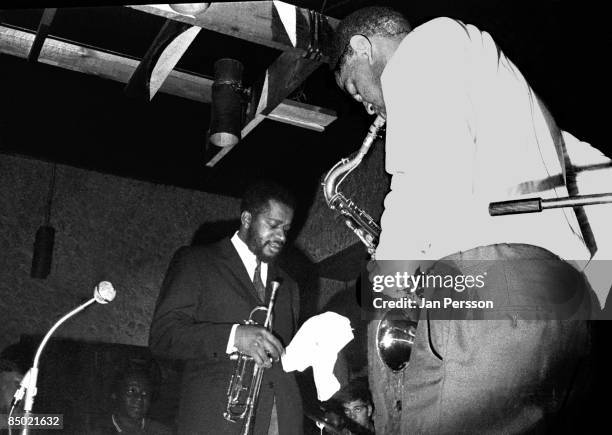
point(356, 402)
point(131, 395)
point(266, 213)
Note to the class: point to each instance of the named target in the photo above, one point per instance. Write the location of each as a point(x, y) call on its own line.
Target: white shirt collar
point(248, 258)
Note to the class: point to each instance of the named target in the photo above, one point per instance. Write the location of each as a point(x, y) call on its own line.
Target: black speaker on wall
point(43, 252)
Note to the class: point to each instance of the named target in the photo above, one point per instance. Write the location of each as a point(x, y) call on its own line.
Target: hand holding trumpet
point(258, 343)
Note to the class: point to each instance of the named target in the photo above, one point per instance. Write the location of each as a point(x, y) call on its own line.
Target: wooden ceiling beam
point(87, 60)
point(273, 24)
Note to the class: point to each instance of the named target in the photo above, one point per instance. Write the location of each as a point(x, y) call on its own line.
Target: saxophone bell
point(395, 336)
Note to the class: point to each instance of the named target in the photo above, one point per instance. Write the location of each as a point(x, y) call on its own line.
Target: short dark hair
point(256, 197)
point(131, 372)
point(357, 389)
point(370, 21)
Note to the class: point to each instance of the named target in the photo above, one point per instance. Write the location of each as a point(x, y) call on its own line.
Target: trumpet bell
point(395, 337)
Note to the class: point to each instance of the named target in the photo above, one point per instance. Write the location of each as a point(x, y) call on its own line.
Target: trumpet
point(245, 383)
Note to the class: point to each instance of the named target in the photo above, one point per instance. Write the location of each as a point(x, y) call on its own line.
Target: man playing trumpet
point(207, 293)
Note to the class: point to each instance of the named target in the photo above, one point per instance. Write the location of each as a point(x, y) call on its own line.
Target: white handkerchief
point(317, 344)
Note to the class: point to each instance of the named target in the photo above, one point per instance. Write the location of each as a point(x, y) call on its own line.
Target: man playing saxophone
point(464, 129)
point(207, 294)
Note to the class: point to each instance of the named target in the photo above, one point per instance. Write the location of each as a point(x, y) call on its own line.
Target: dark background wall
point(107, 228)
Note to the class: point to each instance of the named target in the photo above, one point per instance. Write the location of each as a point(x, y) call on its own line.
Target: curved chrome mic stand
point(103, 294)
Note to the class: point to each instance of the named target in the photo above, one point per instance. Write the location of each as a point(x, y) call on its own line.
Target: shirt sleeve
point(429, 141)
point(231, 348)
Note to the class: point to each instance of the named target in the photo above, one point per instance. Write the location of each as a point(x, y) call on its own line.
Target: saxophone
point(396, 332)
point(355, 218)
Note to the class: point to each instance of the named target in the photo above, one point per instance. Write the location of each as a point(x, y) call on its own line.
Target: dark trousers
point(515, 370)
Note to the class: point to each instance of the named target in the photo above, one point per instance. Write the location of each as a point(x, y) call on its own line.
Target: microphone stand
point(31, 377)
point(531, 205)
point(28, 384)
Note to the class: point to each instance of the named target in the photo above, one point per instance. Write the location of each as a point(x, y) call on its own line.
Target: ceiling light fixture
point(227, 109)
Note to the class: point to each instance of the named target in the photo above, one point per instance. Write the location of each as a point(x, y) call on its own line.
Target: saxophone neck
point(373, 133)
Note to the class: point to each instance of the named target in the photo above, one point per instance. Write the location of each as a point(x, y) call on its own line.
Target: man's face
point(360, 78)
point(9, 383)
point(267, 231)
point(135, 397)
point(359, 412)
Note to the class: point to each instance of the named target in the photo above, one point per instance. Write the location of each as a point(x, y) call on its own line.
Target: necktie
point(258, 283)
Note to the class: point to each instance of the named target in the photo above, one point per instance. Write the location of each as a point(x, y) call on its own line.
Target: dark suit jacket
point(206, 290)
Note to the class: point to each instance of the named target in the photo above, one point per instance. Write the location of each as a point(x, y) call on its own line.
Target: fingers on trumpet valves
point(272, 344)
point(267, 351)
point(259, 353)
point(271, 358)
point(258, 343)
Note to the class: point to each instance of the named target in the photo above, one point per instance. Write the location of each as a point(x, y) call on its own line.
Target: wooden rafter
point(87, 60)
point(273, 24)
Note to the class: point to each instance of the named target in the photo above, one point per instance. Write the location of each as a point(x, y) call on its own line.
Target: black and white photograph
point(305, 217)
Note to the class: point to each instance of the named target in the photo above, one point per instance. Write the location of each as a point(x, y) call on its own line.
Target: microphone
point(103, 294)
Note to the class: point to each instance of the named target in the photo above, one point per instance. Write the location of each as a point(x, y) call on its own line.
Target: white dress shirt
point(250, 263)
point(465, 129)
